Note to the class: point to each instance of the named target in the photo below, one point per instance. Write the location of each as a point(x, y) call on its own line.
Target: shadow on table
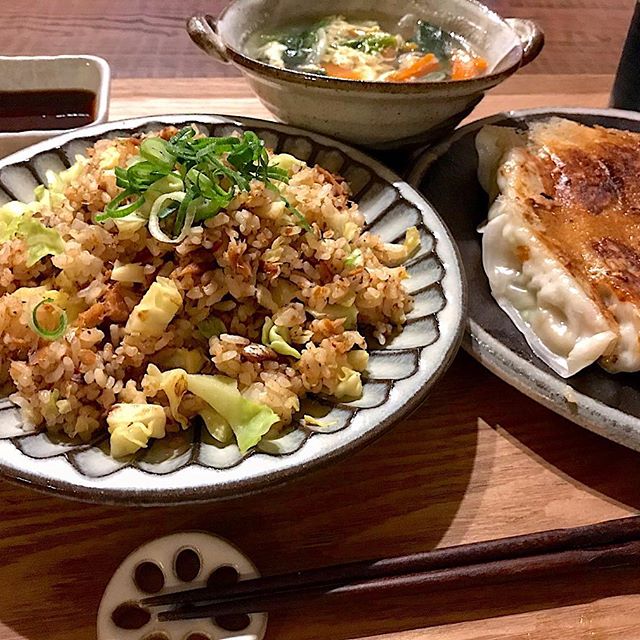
point(420, 609)
point(582, 457)
point(398, 495)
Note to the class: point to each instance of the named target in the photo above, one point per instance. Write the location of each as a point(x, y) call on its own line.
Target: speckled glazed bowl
point(378, 115)
point(190, 466)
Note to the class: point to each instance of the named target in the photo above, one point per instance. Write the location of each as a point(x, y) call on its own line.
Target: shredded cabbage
point(191, 360)
point(216, 425)
point(174, 384)
point(283, 292)
point(211, 327)
point(132, 272)
point(349, 386)
point(128, 225)
point(249, 420)
point(396, 254)
point(132, 425)
point(109, 158)
point(41, 241)
point(58, 182)
point(16, 221)
point(47, 198)
point(31, 295)
point(358, 359)
point(335, 311)
point(286, 162)
point(152, 315)
point(10, 216)
point(314, 422)
point(278, 339)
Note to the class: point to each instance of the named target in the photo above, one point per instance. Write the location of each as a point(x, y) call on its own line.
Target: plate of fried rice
point(197, 307)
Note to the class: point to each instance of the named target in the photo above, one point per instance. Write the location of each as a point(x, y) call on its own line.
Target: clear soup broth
point(415, 51)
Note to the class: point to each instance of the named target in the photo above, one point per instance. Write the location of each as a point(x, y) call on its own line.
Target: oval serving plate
point(193, 468)
point(602, 402)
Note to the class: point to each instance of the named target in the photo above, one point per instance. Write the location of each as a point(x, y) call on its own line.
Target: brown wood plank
point(141, 96)
point(146, 38)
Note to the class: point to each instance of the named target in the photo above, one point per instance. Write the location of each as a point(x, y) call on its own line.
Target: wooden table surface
point(478, 460)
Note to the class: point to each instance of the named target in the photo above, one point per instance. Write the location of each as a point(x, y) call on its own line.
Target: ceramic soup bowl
point(377, 115)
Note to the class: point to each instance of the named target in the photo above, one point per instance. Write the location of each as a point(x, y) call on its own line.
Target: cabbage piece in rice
point(156, 310)
point(249, 420)
point(278, 339)
point(16, 220)
point(395, 254)
point(132, 426)
point(216, 425)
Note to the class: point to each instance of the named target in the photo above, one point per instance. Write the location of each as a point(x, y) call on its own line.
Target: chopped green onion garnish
point(154, 220)
point(165, 212)
point(209, 172)
point(302, 221)
point(40, 330)
point(181, 216)
point(115, 209)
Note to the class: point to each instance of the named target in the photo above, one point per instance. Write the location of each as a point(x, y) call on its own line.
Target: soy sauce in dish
point(46, 109)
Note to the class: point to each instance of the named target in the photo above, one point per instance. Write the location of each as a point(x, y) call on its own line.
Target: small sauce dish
point(43, 96)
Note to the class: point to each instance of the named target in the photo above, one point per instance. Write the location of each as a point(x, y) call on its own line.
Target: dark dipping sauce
point(47, 109)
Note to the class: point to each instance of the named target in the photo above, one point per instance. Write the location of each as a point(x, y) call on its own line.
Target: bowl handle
point(203, 30)
point(531, 35)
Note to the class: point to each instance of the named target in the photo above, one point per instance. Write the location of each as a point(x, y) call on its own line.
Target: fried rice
point(274, 310)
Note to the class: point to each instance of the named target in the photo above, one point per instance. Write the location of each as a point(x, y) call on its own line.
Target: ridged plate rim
point(181, 486)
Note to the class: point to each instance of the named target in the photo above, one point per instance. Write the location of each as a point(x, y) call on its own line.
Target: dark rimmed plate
point(447, 176)
point(192, 468)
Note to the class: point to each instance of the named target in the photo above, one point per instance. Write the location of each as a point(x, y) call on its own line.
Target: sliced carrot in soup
point(466, 67)
point(336, 71)
point(422, 66)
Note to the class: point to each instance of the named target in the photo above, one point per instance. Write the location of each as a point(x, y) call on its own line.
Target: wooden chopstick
point(518, 568)
point(613, 532)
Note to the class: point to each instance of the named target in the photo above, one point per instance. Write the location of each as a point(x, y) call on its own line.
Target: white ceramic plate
point(399, 375)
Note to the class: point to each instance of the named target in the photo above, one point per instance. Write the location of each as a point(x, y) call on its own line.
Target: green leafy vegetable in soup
point(299, 47)
point(363, 50)
point(373, 42)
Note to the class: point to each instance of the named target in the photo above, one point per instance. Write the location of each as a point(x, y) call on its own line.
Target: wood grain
point(478, 460)
point(232, 96)
point(146, 38)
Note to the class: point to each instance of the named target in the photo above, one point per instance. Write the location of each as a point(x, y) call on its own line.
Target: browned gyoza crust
point(588, 208)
